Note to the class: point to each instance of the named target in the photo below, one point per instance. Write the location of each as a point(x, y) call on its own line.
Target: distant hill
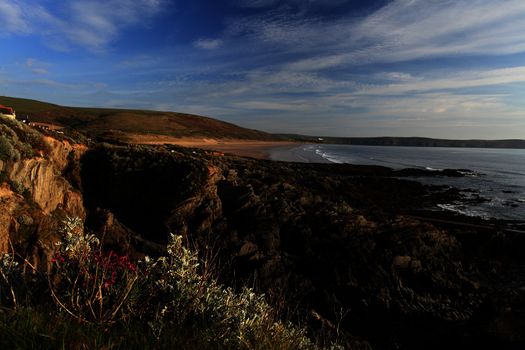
point(95, 122)
point(407, 141)
point(99, 121)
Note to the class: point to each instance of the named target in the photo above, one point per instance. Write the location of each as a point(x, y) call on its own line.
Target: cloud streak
point(404, 30)
point(469, 79)
point(91, 24)
point(12, 18)
point(208, 44)
point(411, 29)
point(332, 61)
point(405, 66)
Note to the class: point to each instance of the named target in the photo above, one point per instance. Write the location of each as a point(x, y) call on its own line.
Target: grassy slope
point(95, 121)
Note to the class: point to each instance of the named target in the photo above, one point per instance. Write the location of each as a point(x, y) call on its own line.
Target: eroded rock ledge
point(36, 192)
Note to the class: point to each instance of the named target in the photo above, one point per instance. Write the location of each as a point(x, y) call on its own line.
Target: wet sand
point(297, 153)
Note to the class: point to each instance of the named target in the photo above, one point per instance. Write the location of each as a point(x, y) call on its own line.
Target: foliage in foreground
point(96, 299)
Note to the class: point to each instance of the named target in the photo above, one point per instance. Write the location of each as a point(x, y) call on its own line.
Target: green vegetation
point(94, 299)
point(18, 141)
point(7, 150)
point(17, 187)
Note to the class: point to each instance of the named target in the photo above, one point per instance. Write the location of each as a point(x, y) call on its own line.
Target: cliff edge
point(36, 192)
point(339, 243)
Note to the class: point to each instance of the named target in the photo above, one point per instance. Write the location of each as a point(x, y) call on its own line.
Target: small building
point(7, 112)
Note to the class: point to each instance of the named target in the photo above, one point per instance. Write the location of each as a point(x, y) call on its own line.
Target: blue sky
point(435, 68)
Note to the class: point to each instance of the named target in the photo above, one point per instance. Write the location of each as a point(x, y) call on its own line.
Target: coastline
point(488, 190)
point(243, 148)
point(480, 197)
point(297, 153)
point(328, 236)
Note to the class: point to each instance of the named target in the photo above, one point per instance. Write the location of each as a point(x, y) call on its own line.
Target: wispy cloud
point(411, 29)
point(332, 64)
point(36, 67)
point(208, 44)
point(39, 71)
point(43, 82)
point(403, 30)
point(406, 66)
point(300, 4)
point(463, 80)
point(13, 18)
point(254, 3)
point(91, 24)
point(96, 22)
point(293, 106)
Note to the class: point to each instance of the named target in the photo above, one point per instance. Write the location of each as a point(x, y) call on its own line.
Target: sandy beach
point(244, 148)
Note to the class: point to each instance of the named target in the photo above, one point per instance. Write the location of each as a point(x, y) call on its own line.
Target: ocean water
point(498, 175)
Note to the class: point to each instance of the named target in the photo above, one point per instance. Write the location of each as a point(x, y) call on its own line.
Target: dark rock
point(326, 237)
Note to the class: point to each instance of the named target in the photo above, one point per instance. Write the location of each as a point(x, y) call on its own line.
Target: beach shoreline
point(268, 150)
point(298, 153)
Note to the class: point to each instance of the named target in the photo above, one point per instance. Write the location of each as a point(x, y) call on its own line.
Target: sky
point(432, 68)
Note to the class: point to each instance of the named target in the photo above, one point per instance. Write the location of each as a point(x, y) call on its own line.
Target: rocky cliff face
point(10, 204)
point(36, 193)
point(334, 240)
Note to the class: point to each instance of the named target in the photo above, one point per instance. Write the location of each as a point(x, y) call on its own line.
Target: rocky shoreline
point(359, 252)
point(333, 240)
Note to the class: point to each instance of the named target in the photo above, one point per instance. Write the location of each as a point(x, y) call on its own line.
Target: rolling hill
point(98, 121)
point(128, 124)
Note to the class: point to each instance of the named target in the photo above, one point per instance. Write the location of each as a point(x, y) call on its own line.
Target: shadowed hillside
point(96, 121)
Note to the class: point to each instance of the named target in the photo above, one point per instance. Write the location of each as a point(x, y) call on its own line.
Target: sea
point(496, 175)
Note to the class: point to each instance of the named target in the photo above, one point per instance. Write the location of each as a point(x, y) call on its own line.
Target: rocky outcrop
point(336, 240)
point(46, 185)
point(44, 179)
point(36, 194)
point(10, 203)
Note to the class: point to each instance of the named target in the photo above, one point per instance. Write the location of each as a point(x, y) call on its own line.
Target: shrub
point(175, 302)
point(23, 139)
point(89, 284)
point(190, 297)
point(10, 280)
point(7, 150)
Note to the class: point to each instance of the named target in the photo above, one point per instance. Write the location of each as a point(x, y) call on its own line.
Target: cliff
point(339, 243)
point(35, 191)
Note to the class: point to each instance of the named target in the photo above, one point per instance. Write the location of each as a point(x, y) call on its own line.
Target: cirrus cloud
point(208, 44)
point(90, 24)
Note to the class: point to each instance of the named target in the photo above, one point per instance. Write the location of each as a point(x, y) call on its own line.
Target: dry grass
point(96, 121)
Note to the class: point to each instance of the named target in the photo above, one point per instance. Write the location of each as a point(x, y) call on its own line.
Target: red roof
point(8, 108)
